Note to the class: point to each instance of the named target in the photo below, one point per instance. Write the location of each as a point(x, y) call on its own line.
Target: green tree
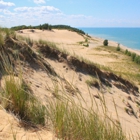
point(105, 43)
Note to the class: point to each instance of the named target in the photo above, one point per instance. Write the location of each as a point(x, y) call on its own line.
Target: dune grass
point(17, 97)
point(93, 81)
point(72, 121)
point(21, 102)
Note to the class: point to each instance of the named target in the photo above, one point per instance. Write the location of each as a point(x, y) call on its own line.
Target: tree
point(105, 43)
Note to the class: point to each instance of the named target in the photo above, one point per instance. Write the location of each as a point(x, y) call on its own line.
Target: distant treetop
point(49, 27)
point(68, 28)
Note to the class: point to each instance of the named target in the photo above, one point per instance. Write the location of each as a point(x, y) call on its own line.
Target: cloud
point(39, 9)
point(39, 1)
point(4, 5)
point(52, 15)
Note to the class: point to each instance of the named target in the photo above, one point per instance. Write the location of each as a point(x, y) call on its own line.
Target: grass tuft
point(93, 82)
point(20, 101)
point(16, 96)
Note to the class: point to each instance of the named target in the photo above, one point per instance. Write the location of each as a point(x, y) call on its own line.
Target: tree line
point(47, 26)
point(41, 27)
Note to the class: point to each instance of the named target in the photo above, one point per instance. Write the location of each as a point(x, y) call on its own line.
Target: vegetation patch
point(73, 121)
point(47, 26)
point(84, 43)
point(93, 82)
point(17, 98)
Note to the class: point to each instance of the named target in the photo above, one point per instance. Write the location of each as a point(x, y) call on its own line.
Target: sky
point(76, 13)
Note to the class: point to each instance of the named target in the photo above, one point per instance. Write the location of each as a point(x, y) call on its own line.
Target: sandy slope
point(43, 86)
point(59, 36)
point(10, 128)
point(70, 41)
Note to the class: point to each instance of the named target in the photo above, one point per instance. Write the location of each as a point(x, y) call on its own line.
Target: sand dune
point(70, 41)
point(40, 82)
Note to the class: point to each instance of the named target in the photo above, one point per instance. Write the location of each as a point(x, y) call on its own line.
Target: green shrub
point(137, 59)
point(105, 42)
point(86, 40)
point(129, 53)
point(133, 55)
point(126, 51)
point(118, 48)
point(86, 45)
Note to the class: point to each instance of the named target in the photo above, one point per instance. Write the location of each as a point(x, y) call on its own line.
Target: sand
point(70, 41)
point(41, 83)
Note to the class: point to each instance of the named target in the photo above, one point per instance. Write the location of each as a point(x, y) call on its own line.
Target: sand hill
point(108, 73)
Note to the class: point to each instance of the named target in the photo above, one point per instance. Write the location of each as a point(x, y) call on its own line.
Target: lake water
point(129, 37)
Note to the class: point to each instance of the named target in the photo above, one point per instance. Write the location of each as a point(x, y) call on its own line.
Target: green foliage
point(133, 55)
point(41, 27)
point(93, 82)
point(48, 27)
point(44, 27)
point(126, 51)
point(105, 42)
point(4, 33)
point(118, 48)
point(29, 41)
point(137, 59)
point(20, 101)
point(129, 53)
point(68, 28)
point(86, 44)
point(72, 121)
point(86, 40)
point(16, 96)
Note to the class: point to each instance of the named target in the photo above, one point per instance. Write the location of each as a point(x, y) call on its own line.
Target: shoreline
point(115, 44)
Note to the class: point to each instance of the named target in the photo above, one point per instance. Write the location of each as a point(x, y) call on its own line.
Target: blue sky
point(76, 13)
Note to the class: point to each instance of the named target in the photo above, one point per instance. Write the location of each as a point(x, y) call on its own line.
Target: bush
point(86, 45)
point(137, 59)
point(129, 53)
point(118, 48)
point(105, 43)
point(133, 56)
point(126, 51)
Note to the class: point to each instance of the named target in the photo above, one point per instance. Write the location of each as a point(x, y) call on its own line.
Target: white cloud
point(39, 1)
point(4, 5)
point(52, 15)
point(39, 9)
